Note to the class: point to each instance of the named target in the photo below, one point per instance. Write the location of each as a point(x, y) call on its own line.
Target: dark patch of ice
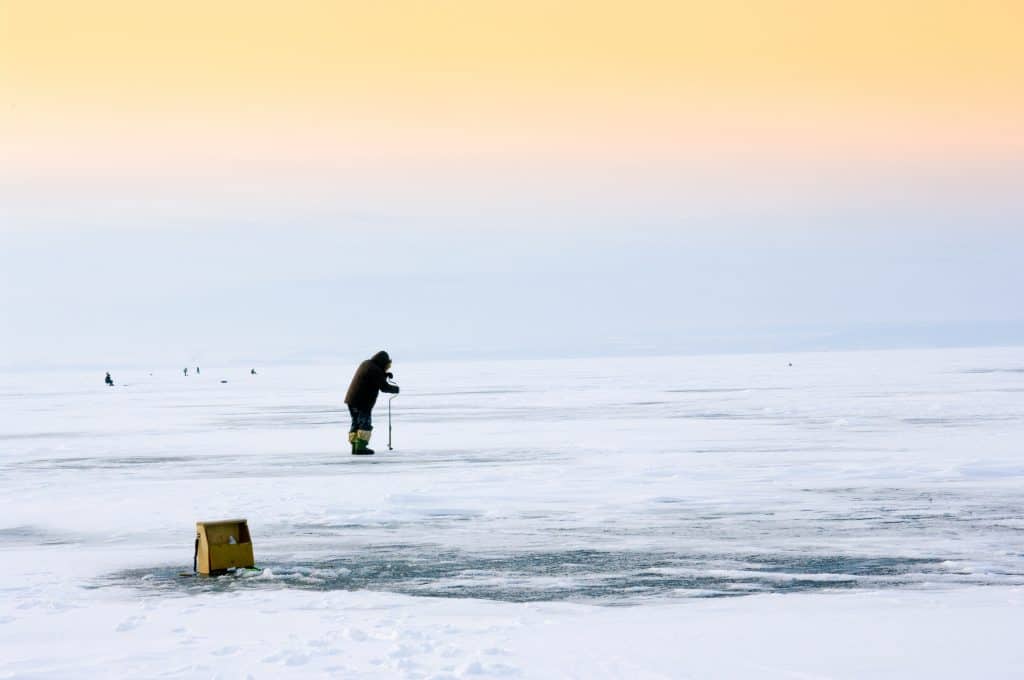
point(99, 462)
point(994, 370)
point(601, 577)
point(31, 535)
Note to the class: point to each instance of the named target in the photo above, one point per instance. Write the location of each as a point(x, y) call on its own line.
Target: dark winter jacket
point(371, 377)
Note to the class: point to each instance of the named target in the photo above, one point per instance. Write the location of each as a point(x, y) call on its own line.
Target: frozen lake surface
point(527, 503)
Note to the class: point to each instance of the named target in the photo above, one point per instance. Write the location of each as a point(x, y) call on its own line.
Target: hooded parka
point(370, 379)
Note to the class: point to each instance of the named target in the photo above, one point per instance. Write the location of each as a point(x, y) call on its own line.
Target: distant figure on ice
point(186, 370)
point(197, 370)
point(252, 371)
point(370, 379)
point(109, 380)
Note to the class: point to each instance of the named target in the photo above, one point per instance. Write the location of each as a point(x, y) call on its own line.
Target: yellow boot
point(359, 448)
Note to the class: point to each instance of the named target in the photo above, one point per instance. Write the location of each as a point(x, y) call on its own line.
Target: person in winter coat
point(371, 378)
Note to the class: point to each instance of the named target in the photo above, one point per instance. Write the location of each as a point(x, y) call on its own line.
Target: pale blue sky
point(189, 182)
point(105, 282)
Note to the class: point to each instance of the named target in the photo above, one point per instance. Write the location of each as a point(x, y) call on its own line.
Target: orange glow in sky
point(125, 88)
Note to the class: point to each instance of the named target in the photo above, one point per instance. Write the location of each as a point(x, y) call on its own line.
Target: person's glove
point(391, 376)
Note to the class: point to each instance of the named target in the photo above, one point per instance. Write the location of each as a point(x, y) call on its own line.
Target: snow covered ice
point(853, 515)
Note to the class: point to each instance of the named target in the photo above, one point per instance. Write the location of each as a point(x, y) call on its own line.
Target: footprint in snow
point(131, 623)
point(297, 659)
point(356, 635)
point(496, 669)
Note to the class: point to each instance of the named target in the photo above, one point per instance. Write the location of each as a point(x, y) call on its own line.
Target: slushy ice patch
point(602, 577)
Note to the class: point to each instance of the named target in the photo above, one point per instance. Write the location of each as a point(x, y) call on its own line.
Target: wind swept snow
point(852, 515)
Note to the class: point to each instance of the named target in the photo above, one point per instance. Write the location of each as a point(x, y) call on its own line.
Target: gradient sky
point(182, 178)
